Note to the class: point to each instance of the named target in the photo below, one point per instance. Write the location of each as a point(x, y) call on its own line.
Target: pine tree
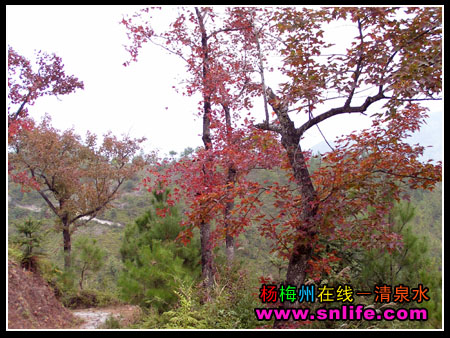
point(89, 257)
point(409, 265)
point(154, 262)
point(29, 237)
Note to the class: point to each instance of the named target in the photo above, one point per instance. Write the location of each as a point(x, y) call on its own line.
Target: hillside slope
point(32, 303)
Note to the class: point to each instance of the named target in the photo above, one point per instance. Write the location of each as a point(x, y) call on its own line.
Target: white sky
point(125, 100)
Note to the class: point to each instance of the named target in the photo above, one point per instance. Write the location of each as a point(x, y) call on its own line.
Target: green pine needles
point(155, 264)
point(28, 238)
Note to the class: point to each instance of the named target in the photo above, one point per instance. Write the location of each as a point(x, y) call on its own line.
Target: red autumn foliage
point(394, 58)
point(26, 83)
point(77, 179)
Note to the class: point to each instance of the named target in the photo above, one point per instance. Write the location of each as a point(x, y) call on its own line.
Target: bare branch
point(20, 108)
point(358, 67)
point(341, 110)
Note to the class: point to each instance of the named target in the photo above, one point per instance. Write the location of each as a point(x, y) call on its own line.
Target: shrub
point(28, 238)
point(231, 305)
point(111, 323)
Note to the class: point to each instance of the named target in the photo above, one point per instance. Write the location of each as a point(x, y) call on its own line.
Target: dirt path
point(94, 318)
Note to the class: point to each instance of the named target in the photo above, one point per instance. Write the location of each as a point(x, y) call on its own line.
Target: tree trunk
point(67, 247)
point(229, 205)
point(205, 227)
point(303, 246)
point(229, 243)
point(231, 180)
point(83, 270)
point(206, 253)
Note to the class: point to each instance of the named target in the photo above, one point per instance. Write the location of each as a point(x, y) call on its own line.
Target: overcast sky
point(137, 100)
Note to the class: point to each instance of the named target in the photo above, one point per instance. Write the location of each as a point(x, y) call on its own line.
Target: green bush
point(234, 300)
point(111, 323)
point(188, 314)
point(86, 298)
point(14, 252)
point(231, 305)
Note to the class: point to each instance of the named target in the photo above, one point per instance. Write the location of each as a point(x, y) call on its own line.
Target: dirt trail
point(94, 318)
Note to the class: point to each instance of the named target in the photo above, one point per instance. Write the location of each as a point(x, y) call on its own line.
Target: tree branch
point(358, 68)
point(93, 212)
point(229, 29)
point(413, 100)
point(341, 110)
point(20, 108)
point(268, 127)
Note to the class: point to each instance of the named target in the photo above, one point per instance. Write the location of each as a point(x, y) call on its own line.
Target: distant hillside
point(431, 134)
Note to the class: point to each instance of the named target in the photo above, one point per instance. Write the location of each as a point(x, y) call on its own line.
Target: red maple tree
point(393, 62)
point(216, 176)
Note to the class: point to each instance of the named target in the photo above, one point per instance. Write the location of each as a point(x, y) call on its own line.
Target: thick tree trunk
point(229, 243)
point(67, 247)
point(205, 227)
point(206, 254)
point(303, 246)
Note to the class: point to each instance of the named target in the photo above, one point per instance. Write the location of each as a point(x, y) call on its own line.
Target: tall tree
point(393, 62)
point(76, 179)
point(198, 61)
point(396, 58)
point(224, 85)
